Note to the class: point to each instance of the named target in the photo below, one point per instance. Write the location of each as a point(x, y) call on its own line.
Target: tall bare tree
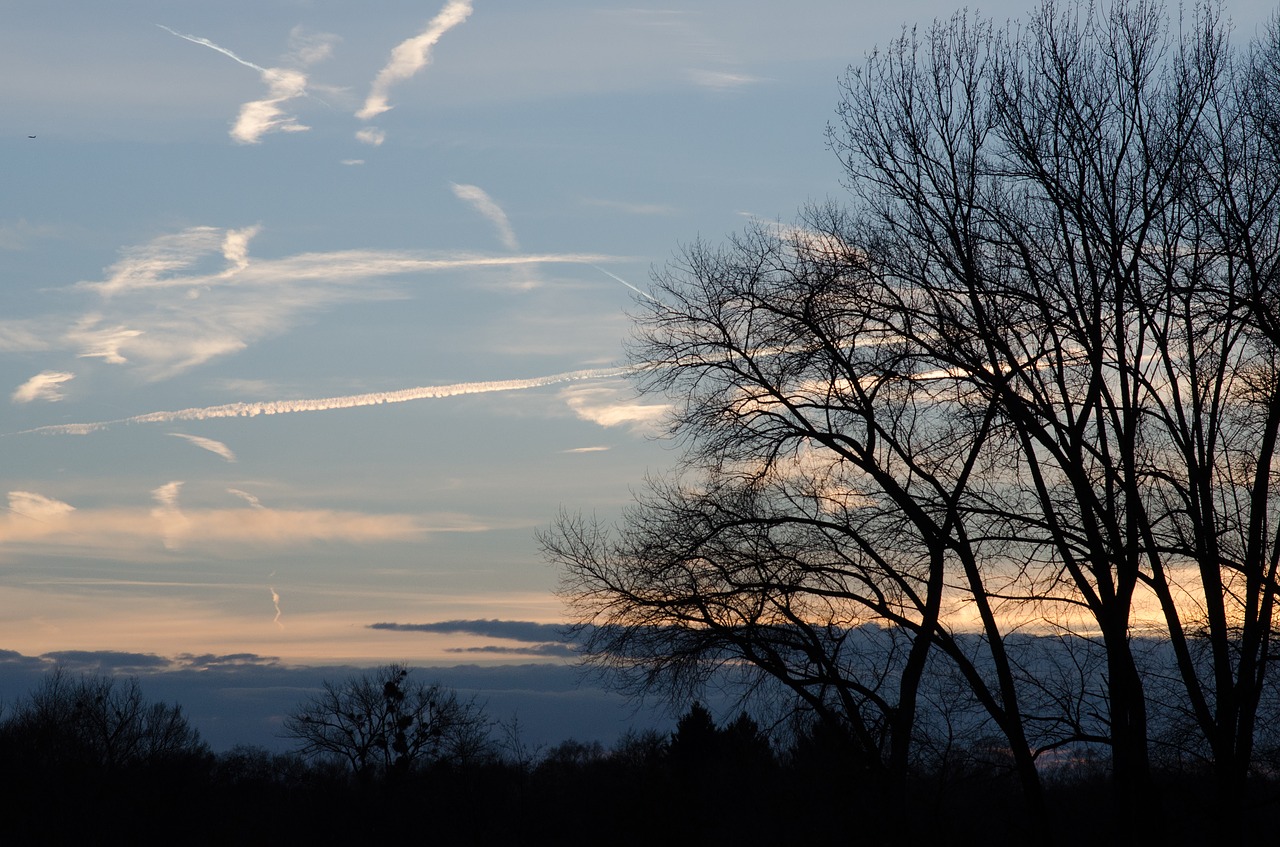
point(1029, 374)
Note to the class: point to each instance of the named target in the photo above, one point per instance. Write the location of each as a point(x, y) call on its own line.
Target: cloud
point(541, 639)
point(632, 208)
point(127, 531)
point(101, 342)
point(352, 162)
point(107, 661)
point(485, 205)
point(562, 650)
point(173, 524)
point(586, 450)
point(260, 117)
point(18, 234)
point(37, 507)
point(371, 135)
point(352, 401)
point(613, 407)
point(515, 630)
point(410, 56)
point(247, 497)
point(42, 386)
point(182, 299)
point(208, 444)
point(721, 80)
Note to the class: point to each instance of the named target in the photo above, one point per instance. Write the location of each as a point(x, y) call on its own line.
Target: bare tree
point(381, 723)
point(100, 722)
point(1031, 375)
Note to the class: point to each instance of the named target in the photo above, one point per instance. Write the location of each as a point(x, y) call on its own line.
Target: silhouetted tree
point(382, 723)
point(99, 722)
point(1033, 373)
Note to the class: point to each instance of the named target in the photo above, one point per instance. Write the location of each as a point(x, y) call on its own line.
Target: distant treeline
point(88, 759)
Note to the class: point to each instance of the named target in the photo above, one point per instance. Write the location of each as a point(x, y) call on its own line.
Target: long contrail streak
point(639, 291)
point(352, 401)
point(195, 39)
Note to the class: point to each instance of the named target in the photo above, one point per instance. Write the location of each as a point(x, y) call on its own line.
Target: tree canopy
point(1024, 380)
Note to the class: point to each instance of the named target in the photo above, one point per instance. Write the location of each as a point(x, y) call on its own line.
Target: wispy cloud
point(586, 450)
point(539, 639)
point(185, 298)
point(275, 601)
point(251, 499)
point(411, 56)
point(613, 407)
point(168, 515)
point(43, 386)
point(39, 521)
point(216, 447)
point(260, 117)
point(721, 80)
point(631, 208)
point(371, 135)
point(28, 504)
point(515, 630)
point(352, 401)
point(485, 205)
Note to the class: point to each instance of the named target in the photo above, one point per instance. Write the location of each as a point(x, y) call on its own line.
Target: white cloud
point(94, 342)
point(27, 504)
point(371, 135)
point(42, 386)
point(586, 450)
point(485, 205)
point(183, 299)
point(352, 161)
point(411, 56)
point(216, 447)
point(172, 522)
point(631, 208)
point(260, 117)
point(721, 80)
point(613, 407)
point(166, 496)
point(251, 499)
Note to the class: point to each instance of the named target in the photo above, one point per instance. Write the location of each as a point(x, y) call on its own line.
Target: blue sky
point(312, 209)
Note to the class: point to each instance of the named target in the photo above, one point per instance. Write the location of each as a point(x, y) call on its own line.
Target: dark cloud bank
point(242, 698)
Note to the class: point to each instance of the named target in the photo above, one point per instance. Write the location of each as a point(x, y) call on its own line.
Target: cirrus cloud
point(43, 386)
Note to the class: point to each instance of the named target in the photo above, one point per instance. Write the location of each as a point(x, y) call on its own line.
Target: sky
point(312, 312)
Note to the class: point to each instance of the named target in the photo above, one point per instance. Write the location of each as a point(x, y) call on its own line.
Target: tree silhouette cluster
point(1026, 381)
point(709, 783)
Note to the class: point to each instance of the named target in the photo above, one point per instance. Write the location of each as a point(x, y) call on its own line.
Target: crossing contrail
point(351, 401)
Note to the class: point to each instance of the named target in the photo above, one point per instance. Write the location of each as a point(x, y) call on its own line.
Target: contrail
point(410, 56)
point(195, 39)
point(208, 444)
point(352, 401)
point(486, 206)
point(259, 117)
point(627, 284)
point(275, 601)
